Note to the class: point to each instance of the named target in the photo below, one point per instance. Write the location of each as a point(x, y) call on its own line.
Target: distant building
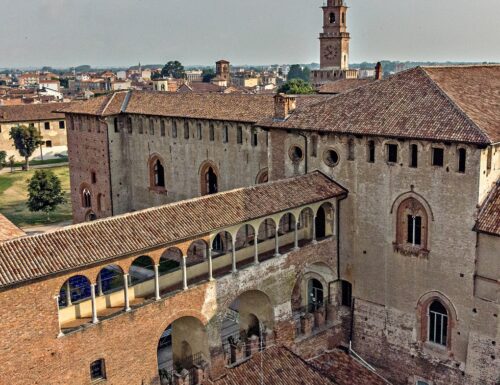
point(194, 75)
point(222, 70)
point(51, 124)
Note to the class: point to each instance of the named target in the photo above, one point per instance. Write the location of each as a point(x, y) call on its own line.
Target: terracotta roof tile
point(488, 220)
point(31, 112)
point(279, 366)
point(343, 85)
point(8, 230)
point(80, 245)
point(421, 103)
point(342, 368)
point(214, 106)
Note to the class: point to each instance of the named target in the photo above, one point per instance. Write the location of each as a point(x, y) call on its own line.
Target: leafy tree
point(296, 72)
point(26, 140)
point(173, 69)
point(296, 87)
point(44, 192)
point(3, 157)
point(208, 74)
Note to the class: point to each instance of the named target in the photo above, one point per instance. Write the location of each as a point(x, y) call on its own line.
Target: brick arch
point(202, 171)
point(303, 276)
point(265, 315)
point(151, 163)
point(174, 317)
point(121, 264)
point(422, 311)
point(262, 176)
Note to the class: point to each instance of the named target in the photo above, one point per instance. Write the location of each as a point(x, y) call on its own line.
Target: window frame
point(102, 370)
point(225, 134)
point(239, 135)
point(390, 153)
point(174, 128)
point(371, 151)
point(211, 132)
point(186, 129)
point(462, 160)
point(413, 155)
point(434, 158)
point(432, 317)
point(62, 124)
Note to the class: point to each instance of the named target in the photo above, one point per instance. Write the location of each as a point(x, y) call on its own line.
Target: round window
point(331, 158)
point(296, 153)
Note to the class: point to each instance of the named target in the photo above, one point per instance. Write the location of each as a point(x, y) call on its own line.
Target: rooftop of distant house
point(32, 112)
point(9, 230)
point(488, 220)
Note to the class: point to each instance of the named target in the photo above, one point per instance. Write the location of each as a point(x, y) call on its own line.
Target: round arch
point(170, 261)
point(262, 176)
point(74, 289)
point(141, 270)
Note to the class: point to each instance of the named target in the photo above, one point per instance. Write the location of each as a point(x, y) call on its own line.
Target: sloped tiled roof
point(31, 112)
point(8, 230)
point(344, 369)
point(445, 104)
point(488, 220)
point(278, 365)
point(343, 85)
point(214, 106)
point(80, 245)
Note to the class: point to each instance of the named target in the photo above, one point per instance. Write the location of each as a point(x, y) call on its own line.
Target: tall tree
point(3, 157)
point(173, 69)
point(208, 74)
point(26, 140)
point(296, 87)
point(44, 192)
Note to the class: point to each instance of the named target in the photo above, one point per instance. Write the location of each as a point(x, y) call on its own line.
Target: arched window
point(315, 295)
point(438, 323)
point(412, 222)
point(209, 177)
point(86, 198)
point(332, 18)
point(159, 174)
point(343, 17)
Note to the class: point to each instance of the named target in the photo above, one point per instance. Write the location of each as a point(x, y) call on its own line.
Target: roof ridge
point(454, 104)
point(174, 204)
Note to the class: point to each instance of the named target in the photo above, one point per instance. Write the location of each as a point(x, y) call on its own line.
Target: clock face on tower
point(331, 52)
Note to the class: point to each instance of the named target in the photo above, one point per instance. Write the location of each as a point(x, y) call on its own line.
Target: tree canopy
point(297, 72)
point(3, 158)
point(296, 87)
point(26, 140)
point(44, 192)
point(173, 69)
point(208, 74)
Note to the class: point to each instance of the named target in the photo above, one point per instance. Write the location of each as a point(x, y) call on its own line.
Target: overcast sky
point(124, 32)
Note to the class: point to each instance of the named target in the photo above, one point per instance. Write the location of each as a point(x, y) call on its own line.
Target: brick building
point(364, 219)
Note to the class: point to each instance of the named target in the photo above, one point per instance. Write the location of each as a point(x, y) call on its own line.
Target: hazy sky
point(123, 32)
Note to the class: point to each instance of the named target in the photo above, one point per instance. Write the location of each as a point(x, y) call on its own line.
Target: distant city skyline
point(68, 33)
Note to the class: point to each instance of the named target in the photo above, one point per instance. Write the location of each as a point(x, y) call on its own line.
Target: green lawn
point(62, 159)
point(13, 197)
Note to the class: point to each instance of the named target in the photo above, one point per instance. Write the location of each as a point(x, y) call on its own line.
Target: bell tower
point(334, 40)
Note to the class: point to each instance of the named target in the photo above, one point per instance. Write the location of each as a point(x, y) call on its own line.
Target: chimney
point(284, 105)
point(379, 73)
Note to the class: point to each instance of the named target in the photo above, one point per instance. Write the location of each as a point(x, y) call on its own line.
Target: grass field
point(13, 197)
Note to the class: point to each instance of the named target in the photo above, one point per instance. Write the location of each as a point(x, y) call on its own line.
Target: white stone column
point(314, 230)
point(210, 266)
point(256, 249)
point(125, 292)
point(296, 236)
point(94, 306)
point(99, 285)
point(157, 282)
point(276, 242)
point(233, 252)
point(68, 293)
point(58, 318)
point(184, 273)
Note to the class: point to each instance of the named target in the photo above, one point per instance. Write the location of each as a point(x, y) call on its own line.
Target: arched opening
point(438, 324)
point(197, 253)
point(266, 239)
point(315, 295)
point(110, 280)
point(412, 224)
point(245, 239)
point(86, 198)
point(74, 290)
point(343, 18)
point(324, 221)
point(209, 178)
point(331, 18)
point(156, 173)
point(286, 232)
point(262, 176)
point(245, 325)
point(222, 244)
point(182, 345)
point(141, 270)
point(305, 226)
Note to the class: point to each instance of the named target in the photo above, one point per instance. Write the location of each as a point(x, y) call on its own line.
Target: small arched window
point(86, 198)
point(343, 17)
point(412, 222)
point(332, 18)
point(158, 174)
point(462, 157)
point(438, 324)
